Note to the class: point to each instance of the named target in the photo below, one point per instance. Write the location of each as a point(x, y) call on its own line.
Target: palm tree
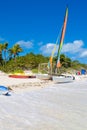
point(5, 46)
point(1, 49)
point(15, 50)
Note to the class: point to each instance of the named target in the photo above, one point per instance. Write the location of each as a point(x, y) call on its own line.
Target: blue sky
point(35, 25)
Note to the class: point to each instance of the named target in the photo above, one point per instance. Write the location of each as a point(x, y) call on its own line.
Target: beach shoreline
point(28, 84)
point(48, 106)
point(23, 84)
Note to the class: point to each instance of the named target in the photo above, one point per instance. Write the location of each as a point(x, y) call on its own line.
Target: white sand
point(56, 107)
point(17, 83)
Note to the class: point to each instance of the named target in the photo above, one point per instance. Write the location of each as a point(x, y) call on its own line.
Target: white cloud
point(47, 49)
point(83, 54)
point(25, 44)
point(75, 48)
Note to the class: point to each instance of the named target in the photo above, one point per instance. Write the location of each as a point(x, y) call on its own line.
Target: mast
point(50, 63)
point(58, 65)
point(62, 38)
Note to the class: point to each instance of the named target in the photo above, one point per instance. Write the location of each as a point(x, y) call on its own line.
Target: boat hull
point(22, 76)
point(62, 79)
point(44, 76)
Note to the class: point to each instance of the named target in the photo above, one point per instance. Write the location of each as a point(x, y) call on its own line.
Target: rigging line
point(62, 36)
point(53, 51)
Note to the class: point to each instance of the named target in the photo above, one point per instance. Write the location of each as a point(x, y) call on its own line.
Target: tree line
point(10, 60)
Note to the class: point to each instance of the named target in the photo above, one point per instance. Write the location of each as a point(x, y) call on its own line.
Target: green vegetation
point(10, 61)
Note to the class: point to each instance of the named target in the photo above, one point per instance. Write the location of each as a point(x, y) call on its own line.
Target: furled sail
point(62, 38)
point(60, 45)
point(51, 57)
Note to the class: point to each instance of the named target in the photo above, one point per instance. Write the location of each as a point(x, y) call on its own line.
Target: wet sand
point(54, 107)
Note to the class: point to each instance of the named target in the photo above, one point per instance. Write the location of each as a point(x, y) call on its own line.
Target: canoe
point(22, 76)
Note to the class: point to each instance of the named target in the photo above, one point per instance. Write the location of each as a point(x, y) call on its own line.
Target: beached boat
point(44, 76)
point(21, 76)
point(62, 79)
point(4, 90)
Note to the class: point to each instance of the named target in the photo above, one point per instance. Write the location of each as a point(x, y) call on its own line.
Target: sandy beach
point(39, 105)
point(23, 84)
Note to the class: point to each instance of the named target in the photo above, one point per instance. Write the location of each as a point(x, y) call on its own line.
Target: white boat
point(44, 76)
point(62, 79)
point(58, 64)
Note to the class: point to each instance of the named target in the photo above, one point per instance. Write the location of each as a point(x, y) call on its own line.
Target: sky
point(35, 26)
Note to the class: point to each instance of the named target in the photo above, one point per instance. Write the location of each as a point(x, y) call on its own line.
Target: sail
point(53, 51)
point(62, 38)
point(51, 57)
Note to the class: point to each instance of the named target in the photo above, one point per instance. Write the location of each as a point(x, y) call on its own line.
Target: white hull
point(43, 76)
point(62, 79)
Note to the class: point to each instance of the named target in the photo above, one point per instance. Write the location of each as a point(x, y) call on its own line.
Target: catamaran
point(61, 78)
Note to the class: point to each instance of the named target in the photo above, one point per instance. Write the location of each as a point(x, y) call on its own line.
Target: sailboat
point(61, 78)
